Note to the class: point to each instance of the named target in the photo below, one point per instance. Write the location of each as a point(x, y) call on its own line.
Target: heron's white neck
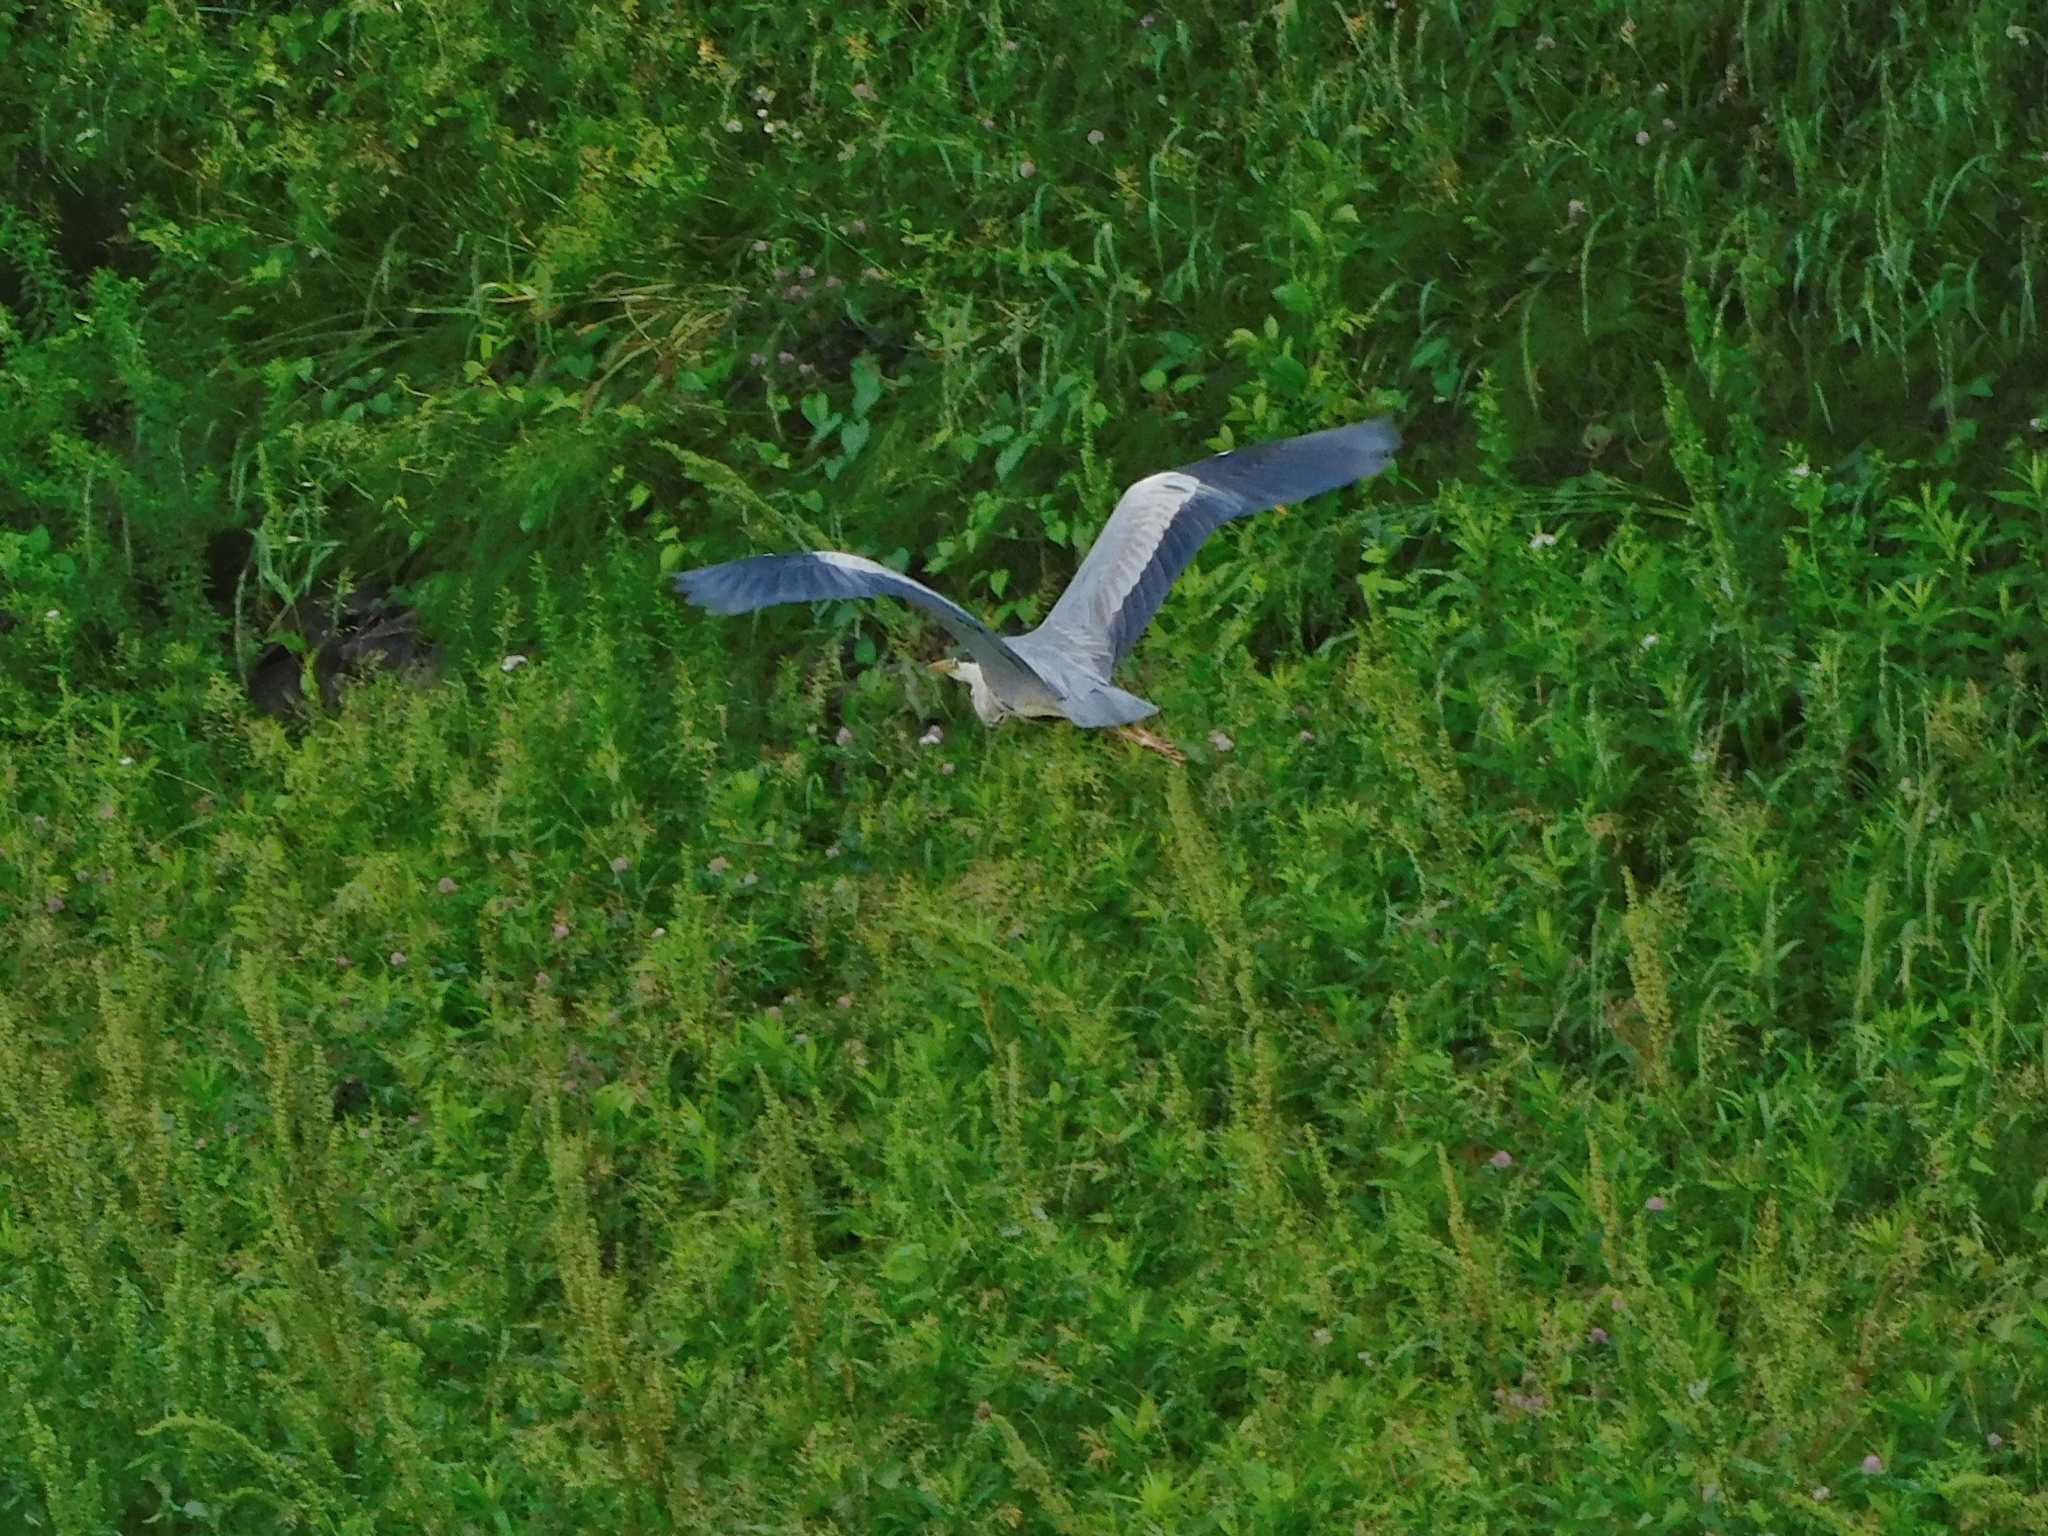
point(986, 704)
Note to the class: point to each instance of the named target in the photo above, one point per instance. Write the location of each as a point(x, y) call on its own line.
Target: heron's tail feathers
point(1108, 706)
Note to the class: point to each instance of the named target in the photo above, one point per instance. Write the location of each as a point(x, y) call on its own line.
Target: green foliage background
point(1569, 1055)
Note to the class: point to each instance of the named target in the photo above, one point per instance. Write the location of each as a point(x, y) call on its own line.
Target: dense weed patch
point(1566, 1053)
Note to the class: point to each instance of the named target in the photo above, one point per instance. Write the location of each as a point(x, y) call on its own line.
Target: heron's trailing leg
point(1139, 736)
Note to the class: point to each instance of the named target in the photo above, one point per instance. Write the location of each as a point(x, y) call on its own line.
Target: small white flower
point(719, 865)
point(1545, 43)
point(512, 663)
point(621, 864)
point(832, 852)
point(733, 125)
point(750, 878)
point(659, 933)
point(930, 738)
point(446, 885)
point(53, 615)
point(1642, 136)
point(1027, 169)
point(1095, 135)
point(397, 958)
point(1306, 737)
point(1649, 642)
point(1670, 126)
point(946, 769)
point(845, 1001)
point(845, 736)
point(127, 762)
point(1221, 742)
point(1575, 209)
point(1801, 471)
point(1541, 540)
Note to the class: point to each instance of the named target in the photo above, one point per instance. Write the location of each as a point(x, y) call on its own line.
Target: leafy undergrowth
point(1567, 1051)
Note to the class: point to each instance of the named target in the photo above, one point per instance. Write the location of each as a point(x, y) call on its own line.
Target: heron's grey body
point(1062, 668)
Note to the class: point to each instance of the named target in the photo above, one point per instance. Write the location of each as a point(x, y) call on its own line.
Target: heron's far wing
point(740, 586)
point(1162, 520)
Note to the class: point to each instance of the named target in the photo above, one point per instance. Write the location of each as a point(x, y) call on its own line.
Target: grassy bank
point(1567, 1051)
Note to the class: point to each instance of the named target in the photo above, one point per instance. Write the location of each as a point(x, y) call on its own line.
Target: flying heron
point(1061, 669)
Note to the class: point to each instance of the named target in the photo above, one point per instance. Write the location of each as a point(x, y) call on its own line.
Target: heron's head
point(991, 709)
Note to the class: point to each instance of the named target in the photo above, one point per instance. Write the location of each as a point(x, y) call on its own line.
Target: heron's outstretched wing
point(740, 586)
point(1162, 520)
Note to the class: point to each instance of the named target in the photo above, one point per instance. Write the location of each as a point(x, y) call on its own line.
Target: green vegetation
point(1574, 1059)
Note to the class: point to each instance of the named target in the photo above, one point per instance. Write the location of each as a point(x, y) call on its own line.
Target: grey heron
point(1061, 669)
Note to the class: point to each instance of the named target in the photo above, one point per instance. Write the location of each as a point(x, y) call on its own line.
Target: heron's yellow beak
point(946, 666)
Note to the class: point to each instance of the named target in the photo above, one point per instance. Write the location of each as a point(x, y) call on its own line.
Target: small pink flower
point(1994, 1440)
point(1306, 737)
point(445, 885)
point(1502, 1159)
point(1221, 742)
point(397, 958)
point(946, 769)
point(750, 878)
point(807, 272)
point(845, 736)
point(1597, 1334)
point(1873, 1464)
point(1147, 22)
point(621, 864)
point(1027, 169)
point(561, 930)
point(342, 962)
point(1821, 1494)
point(1654, 1204)
point(863, 91)
point(53, 904)
point(844, 1001)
